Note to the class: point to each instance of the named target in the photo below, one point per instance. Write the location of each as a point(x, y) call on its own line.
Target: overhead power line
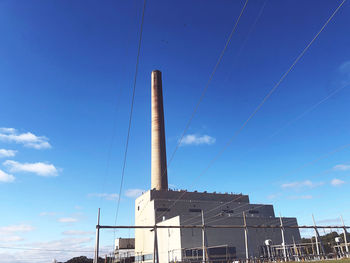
point(311, 109)
point(318, 159)
point(131, 111)
point(307, 111)
point(252, 27)
point(228, 143)
point(47, 249)
point(216, 208)
point(294, 171)
point(299, 168)
point(207, 85)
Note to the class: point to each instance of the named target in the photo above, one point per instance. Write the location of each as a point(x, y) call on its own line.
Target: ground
point(332, 261)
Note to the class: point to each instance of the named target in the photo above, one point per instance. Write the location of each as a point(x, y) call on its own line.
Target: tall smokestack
point(159, 166)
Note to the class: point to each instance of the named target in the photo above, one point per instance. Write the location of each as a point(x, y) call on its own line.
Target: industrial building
point(161, 206)
point(124, 250)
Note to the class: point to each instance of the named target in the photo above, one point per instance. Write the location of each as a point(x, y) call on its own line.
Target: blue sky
point(66, 76)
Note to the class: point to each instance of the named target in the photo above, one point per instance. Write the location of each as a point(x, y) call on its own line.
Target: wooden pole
point(246, 238)
point(345, 238)
point(203, 239)
point(283, 241)
point(155, 247)
point(316, 237)
point(97, 244)
point(295, 248)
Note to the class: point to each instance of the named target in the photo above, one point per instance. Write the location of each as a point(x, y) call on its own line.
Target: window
point(148, 257)
point(216, 254)
point(195, 210)
point(217, 251)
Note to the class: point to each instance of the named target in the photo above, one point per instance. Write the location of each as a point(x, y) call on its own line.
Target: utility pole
point(97, 244)
point(345, 238)
point(155, 247)
point(267, 243)
point(203, 239)
point(295, 248)
point(283, 241)
point(316, 237)
point(246, 237)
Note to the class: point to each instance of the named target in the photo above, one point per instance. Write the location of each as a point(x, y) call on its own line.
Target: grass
point(347, 260)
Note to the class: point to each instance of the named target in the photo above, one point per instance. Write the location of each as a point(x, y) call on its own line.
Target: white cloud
point(16, 228)
point(105, 196)
point(6, 178)
point(345, 67)
point(298, 185)
point(334, 221)
point(27, 139)
point(7, 153)
point(39, 168)
point(74, 246)
point(10, 233)
point(7, 130)
point(134, 193)
point(7, 239)
point(337, 182)
point(195, 139)
point(341, 167)
point(272, 196)
point(77, 233)
point(301, 197)
point(67, 220)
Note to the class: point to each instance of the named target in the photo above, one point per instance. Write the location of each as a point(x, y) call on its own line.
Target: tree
point(83, 259)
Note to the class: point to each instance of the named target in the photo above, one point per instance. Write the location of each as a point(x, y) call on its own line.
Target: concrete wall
point(169, 241)
point(144, 215)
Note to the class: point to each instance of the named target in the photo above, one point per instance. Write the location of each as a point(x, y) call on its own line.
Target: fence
point(295, 250)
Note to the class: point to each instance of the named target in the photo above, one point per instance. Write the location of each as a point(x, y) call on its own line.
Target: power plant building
point(161, 206)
